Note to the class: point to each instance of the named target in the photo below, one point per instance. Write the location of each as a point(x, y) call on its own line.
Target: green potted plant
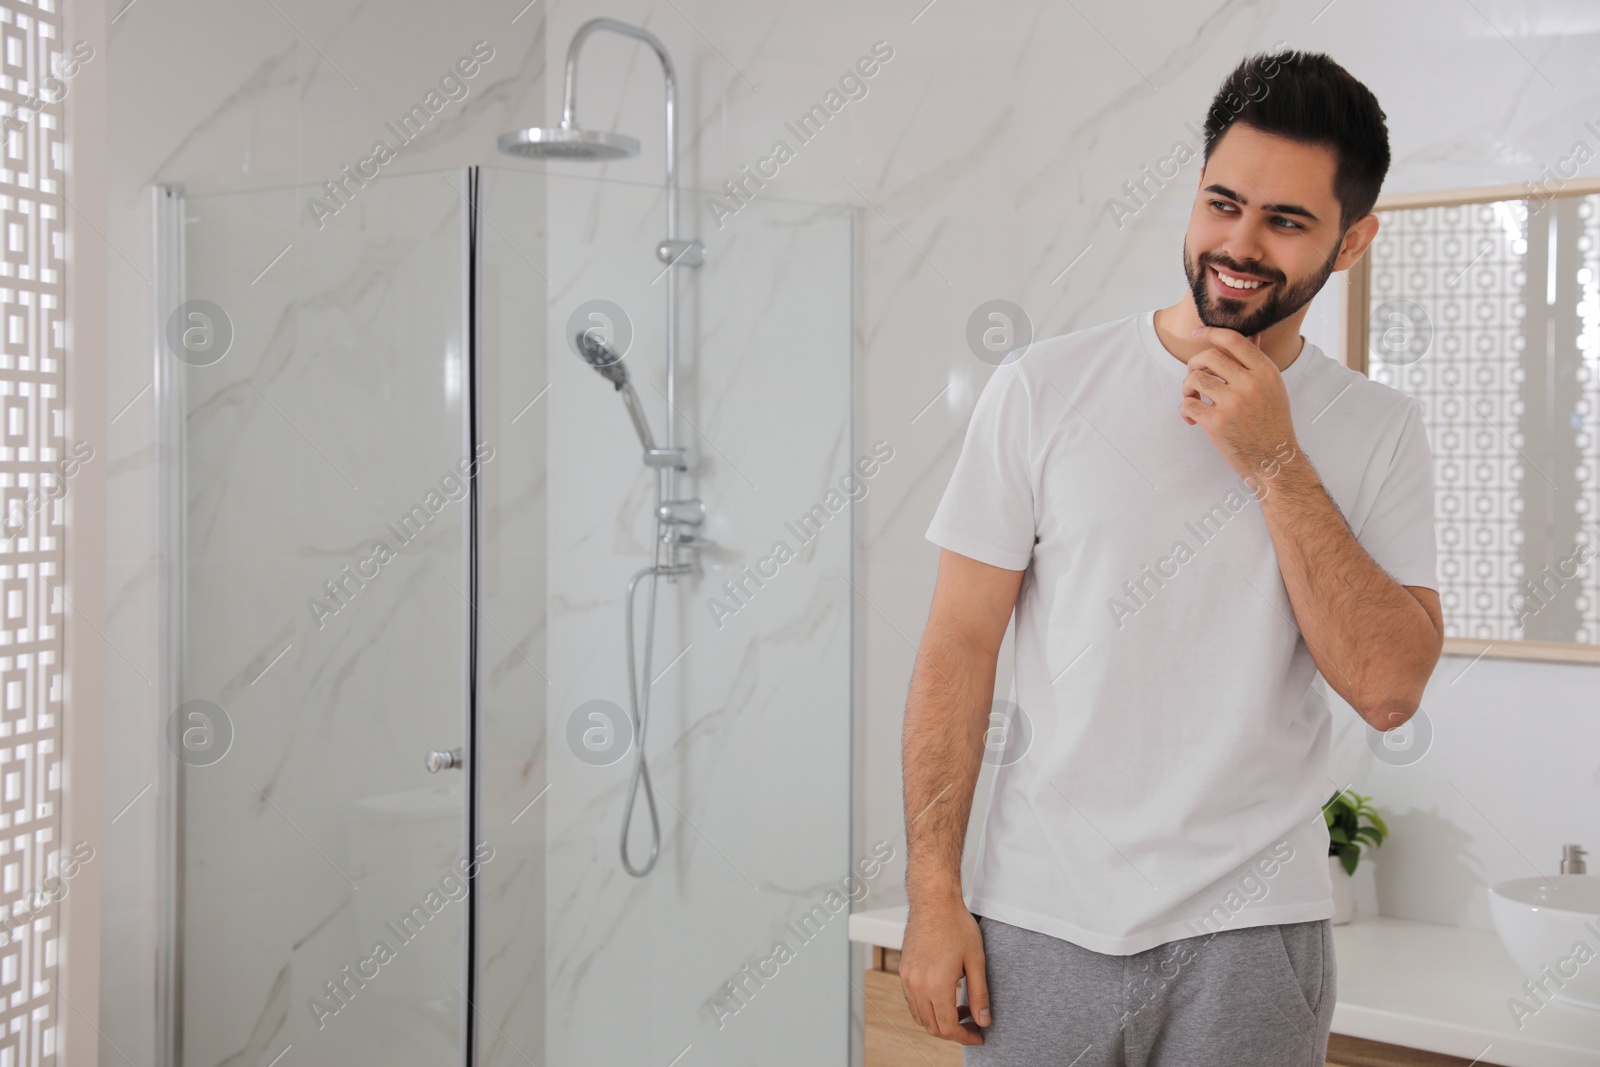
point(1352, 824)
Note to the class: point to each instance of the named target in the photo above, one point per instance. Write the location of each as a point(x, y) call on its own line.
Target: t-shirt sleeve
point(1399, 533)
point(987, 511)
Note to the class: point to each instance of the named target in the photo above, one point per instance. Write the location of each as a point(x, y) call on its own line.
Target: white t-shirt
point(1179, 756)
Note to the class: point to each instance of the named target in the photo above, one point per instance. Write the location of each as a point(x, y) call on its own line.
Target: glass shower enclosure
point(400, 516)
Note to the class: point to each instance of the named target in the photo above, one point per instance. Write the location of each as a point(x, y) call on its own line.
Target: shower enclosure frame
point(475, 332)
point(167, 202)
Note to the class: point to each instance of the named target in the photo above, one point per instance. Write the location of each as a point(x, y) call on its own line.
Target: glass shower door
point(317, 368)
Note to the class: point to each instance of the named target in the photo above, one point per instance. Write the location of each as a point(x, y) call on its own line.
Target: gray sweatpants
point(1255, 996)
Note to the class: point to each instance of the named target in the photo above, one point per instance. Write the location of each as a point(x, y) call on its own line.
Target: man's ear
point(1356, 240)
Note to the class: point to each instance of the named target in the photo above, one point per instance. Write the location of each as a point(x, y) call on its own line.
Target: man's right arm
point(947, 715)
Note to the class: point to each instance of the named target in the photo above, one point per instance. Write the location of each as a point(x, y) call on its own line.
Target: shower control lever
point(684, 540)
point(691, 512)
point(681, 458)
point(437, 760)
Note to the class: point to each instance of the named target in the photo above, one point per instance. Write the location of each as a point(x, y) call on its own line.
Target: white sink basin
point(1541, 921)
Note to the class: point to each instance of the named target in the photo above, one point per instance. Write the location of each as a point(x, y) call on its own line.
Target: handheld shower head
point(599, 355)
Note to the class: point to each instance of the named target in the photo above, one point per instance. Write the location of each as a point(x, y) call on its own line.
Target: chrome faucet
point(1572, 859)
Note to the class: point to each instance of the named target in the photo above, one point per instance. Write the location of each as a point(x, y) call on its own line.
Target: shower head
point(568, 142)
point(600, 356)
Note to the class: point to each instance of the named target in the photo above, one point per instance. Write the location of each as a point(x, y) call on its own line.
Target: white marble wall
point(982, 159)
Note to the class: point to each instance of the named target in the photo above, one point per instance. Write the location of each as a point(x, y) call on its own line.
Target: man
point(1192, 512)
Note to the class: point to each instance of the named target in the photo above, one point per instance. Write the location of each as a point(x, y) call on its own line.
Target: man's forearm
point(947, 713)
point(1372, 640)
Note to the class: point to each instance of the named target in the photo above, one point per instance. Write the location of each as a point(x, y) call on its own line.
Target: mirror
point(1486, 307)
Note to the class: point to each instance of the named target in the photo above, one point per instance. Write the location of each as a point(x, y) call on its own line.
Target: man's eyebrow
point(1275, 209)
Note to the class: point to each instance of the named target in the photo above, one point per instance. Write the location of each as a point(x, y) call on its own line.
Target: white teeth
point(1237, 283)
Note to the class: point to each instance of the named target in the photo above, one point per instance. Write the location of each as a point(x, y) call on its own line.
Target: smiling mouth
point(1235, 284)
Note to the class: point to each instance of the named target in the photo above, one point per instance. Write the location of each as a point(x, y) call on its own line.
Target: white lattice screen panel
point(1461, 266)
point(32, 482)
point(1589, 401)
point(1509, 379)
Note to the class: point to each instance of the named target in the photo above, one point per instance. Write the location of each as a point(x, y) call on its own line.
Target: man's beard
point(1279, 304)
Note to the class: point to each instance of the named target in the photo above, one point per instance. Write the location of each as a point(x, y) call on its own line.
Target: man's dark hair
point(1307, 97)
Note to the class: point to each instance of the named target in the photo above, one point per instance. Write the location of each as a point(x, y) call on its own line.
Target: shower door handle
point(438, 760)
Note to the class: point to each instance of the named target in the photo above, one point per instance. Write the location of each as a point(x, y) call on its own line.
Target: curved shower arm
point(569, 104)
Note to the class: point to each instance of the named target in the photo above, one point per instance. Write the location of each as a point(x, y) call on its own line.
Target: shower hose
point(639, 697)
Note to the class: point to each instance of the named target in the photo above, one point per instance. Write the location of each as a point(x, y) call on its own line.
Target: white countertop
point(1422, 985)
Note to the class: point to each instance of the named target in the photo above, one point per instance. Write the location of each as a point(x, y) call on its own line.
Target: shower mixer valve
point(675, 514)
point(684, 540)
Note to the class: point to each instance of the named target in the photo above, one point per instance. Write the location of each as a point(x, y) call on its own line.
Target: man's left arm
point(1375, 641)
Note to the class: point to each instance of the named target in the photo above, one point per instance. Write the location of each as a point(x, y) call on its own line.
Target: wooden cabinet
point(893, 1038)
point(1345, 1051)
